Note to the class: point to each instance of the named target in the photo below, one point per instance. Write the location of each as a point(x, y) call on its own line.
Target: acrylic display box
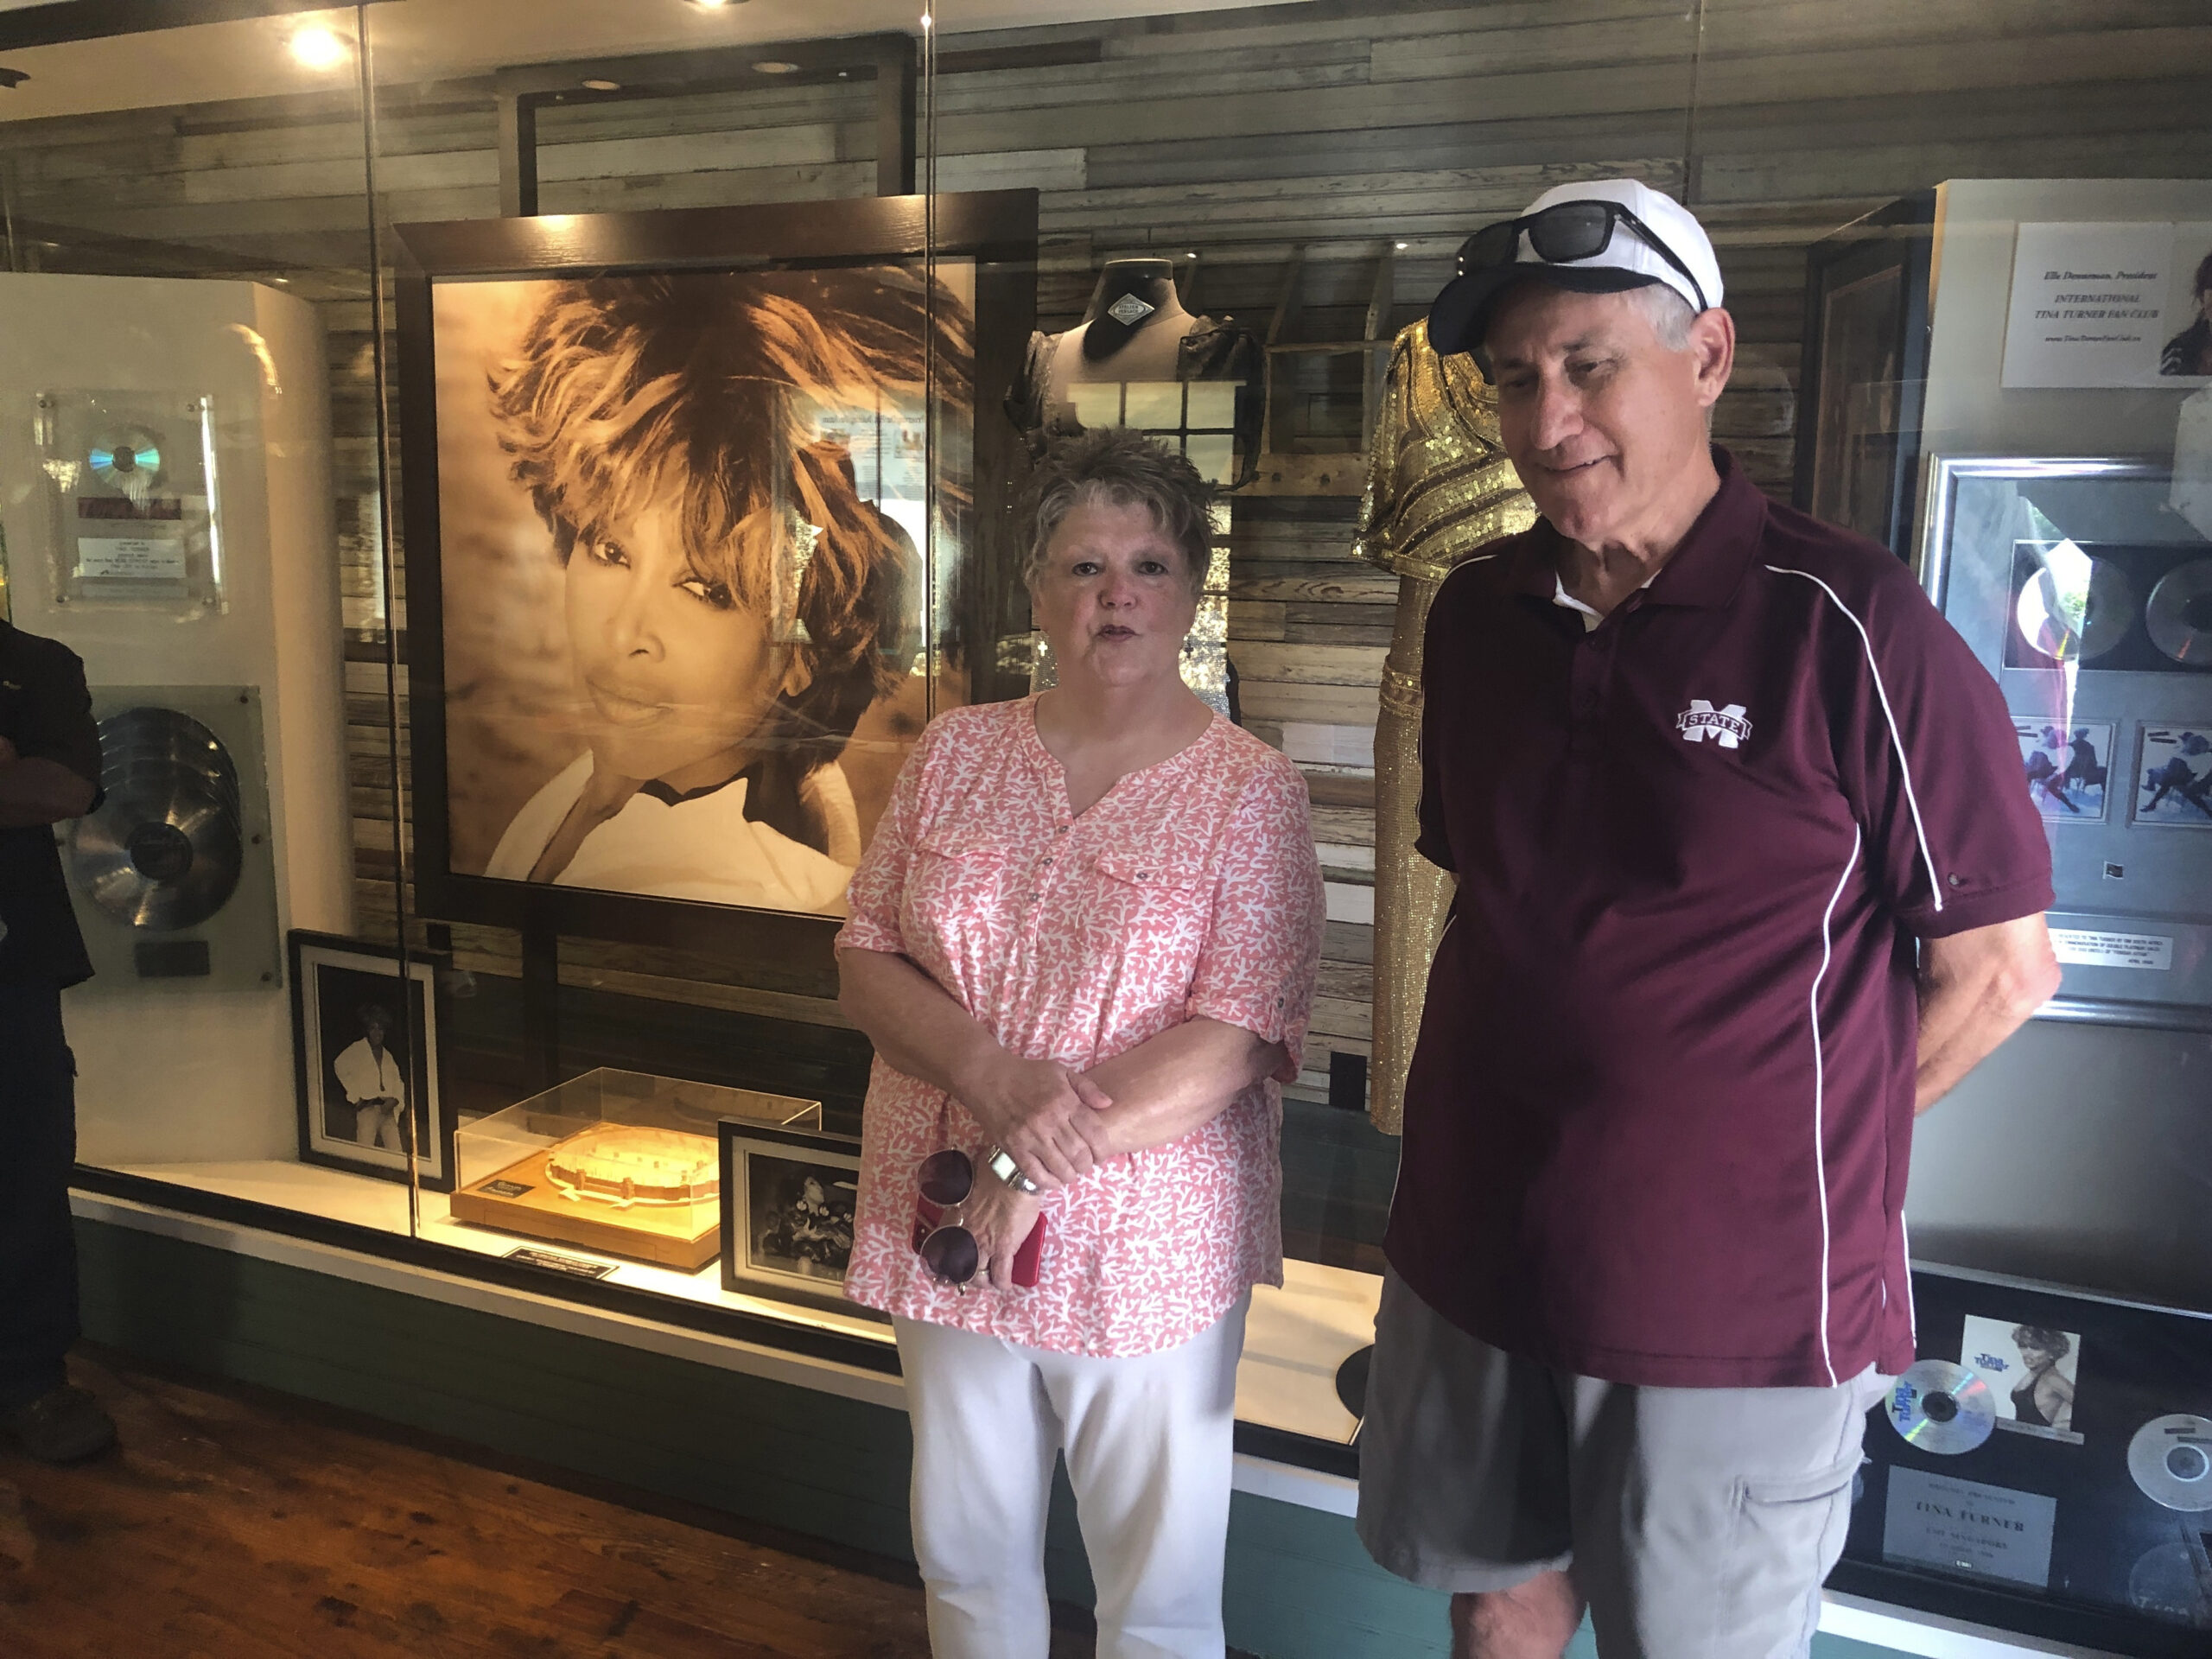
point(622, 1162)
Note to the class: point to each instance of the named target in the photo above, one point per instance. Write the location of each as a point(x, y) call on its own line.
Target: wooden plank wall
point(1344, 129)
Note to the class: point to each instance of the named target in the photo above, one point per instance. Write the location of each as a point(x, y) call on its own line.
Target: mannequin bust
point(1132, 330)
point(1136, 332)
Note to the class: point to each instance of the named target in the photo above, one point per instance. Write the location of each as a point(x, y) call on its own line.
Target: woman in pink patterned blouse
point(1083, 942)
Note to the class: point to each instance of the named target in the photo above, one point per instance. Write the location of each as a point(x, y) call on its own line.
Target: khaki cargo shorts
point(1697, 1521)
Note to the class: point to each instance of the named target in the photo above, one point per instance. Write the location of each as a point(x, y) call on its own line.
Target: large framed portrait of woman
point(693, 548)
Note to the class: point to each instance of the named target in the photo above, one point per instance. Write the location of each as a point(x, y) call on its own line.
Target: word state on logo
point(1725, 727)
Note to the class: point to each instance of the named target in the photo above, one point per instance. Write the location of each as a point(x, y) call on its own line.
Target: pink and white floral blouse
point(1190, 890)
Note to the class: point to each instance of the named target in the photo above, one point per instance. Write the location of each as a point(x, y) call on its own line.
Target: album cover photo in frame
point(2173, 777)
point(2067, 764)
point(690, 532)
point(2032, 1370)
point(364, 1054)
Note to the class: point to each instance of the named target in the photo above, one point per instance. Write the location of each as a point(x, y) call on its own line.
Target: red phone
point(1025, 1260)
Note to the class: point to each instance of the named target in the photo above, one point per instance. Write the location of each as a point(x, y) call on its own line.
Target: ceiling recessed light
point(319, 48)
point(715, 6)
point(776, 66)
point(1404, 245)
point(598, 84)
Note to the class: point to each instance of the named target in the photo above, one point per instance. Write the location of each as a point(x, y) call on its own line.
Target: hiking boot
point(62, 1426)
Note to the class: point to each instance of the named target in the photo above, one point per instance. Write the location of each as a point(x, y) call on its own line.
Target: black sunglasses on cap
point(1563, 233)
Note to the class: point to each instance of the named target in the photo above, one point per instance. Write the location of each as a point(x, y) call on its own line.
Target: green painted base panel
point(1299, 1585)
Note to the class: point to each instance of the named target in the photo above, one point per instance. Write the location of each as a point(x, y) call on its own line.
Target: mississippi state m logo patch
point(1725, 727)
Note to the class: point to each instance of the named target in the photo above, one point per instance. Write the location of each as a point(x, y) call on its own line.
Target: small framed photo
point(2032, 1371)
point(2173, 777)
point(365, 1056)
point(2067, 764)
point(788, 1202)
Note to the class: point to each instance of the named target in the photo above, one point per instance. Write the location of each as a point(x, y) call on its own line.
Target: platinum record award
point(1941, 1407)
point(2180, 614)
point(2170, 1459)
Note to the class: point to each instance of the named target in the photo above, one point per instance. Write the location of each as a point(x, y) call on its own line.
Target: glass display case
point(299, 459)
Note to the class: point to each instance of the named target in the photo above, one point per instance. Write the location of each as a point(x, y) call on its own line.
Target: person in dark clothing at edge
point(50, 772)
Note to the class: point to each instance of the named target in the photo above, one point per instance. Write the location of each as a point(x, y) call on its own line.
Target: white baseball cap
point(1630, 256)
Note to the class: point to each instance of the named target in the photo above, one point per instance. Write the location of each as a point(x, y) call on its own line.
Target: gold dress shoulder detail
point(1439, 489)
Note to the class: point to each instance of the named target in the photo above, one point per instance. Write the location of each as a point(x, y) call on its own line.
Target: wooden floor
point(234, 1524)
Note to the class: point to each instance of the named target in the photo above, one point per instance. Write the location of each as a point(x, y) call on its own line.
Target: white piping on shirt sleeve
point(1905, 763)
point(1820, 1089)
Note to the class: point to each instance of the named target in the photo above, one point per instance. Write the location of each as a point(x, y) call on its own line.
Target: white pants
point(1148, 1447)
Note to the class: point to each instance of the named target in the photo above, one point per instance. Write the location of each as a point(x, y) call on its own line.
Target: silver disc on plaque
point(2180, 614)
point(129, 461)
point(2170, 1460)
point(167, 847)
point(1941, 1407)
point(2079, 615)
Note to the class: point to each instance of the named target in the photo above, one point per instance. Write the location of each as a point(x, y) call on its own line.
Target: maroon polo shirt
point(1658, 1118)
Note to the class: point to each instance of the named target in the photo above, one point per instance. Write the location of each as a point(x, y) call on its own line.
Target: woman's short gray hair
point(1123, 468)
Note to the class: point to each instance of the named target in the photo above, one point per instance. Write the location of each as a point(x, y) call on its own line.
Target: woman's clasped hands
point(1048, 1119)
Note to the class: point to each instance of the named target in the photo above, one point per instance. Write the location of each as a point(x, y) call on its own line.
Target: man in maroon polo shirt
point(1745, 878)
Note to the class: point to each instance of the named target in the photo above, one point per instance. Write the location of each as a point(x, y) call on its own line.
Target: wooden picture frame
point(781, 1238)
point(334, 980)
point(991, 233)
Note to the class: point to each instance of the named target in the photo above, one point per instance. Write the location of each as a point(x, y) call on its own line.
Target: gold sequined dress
point(1439, 488)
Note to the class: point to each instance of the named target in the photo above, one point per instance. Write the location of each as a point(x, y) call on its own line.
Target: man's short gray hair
point(1668, 313)
point(1121, 468)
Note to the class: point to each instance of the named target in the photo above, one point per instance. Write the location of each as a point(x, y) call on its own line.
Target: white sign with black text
point(2110, 305)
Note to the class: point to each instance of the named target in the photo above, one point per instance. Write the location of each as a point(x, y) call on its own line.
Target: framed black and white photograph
point(788, 1203)
point(365, 1048)
point(2068, 765)
point(693, 553)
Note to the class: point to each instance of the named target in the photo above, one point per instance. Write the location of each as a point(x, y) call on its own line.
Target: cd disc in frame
point(130, 460)
point(2075, 618)
point(2179, 613)
point(1941, 1407)
point(2171, 1461)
